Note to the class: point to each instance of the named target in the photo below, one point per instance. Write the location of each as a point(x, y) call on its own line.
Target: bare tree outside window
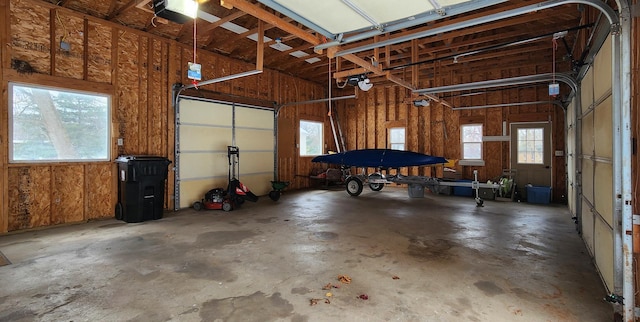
point(48, 124)
point(311, 138)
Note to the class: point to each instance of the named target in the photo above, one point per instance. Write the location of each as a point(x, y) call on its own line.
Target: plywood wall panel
point(29, 197)
point(99, 55)
point(370, 110)
point(30, 36)
point(156, 102)
point(128, 88)
point(67, 194)
point(97, 193)
point(70, 30)
point(145, 70)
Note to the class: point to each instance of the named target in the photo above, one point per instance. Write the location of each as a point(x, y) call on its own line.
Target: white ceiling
point(342, 16)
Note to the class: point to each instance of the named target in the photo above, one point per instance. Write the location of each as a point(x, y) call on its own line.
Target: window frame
point(11, 124)
point(300, 145)
point(465, 160)
point(404, 142)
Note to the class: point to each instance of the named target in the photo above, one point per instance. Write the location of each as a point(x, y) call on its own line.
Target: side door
point(531, 154)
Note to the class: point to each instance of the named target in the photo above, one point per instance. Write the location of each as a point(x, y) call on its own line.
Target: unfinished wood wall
point(435, 129)
point(138, 70)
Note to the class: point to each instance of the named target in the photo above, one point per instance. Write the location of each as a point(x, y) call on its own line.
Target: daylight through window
point(396, 138)
point(471, 141)
point(311, 138)
point(531, 146)
point(50, 124)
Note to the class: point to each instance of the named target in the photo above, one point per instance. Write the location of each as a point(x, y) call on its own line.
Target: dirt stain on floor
point(430, 249)
point(255, 307)
point(489, 288)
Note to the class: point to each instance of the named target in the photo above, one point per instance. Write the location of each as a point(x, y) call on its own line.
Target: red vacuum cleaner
point(236, 193)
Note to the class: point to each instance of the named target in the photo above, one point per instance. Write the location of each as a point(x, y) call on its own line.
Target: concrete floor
point(267, 261)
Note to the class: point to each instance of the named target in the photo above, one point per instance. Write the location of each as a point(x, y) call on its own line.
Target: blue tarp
point(379, 158)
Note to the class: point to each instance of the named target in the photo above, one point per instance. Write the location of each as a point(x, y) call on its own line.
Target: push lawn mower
point(236, 192)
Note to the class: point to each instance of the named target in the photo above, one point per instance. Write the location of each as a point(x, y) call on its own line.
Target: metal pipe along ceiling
point(608, 12)
point(565, 78)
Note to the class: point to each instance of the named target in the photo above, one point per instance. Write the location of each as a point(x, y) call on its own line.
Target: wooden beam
point(5, 63)
point(129, 5)
point(260, 46)
point(272, 19)
point(350, 72)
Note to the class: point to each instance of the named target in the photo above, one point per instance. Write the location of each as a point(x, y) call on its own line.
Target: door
point(531, 154)
point(205, 129)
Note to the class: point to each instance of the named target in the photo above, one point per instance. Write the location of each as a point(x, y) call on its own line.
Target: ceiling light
point(179, 11)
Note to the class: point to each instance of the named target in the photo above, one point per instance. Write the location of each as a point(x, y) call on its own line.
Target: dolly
point(236, 193)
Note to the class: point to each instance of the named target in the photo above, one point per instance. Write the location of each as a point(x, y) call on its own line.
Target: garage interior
point(137, 80)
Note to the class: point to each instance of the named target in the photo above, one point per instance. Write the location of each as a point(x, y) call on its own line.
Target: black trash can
point(140, 187)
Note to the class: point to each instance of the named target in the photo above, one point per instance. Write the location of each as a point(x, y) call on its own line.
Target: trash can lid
point(127, 158)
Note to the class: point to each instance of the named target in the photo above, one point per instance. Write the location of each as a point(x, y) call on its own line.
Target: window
point(531, 146)
point(471, 135)
point(49, 124)
point(311, 138)
point(396, 138)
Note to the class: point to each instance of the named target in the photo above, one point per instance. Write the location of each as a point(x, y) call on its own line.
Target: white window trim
point(404, 143)
point(472, 162)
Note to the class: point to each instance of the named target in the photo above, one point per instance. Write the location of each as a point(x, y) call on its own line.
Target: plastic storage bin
point(538, 194)
point(140, 187)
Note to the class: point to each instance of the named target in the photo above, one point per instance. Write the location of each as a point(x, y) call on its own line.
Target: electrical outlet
point(120, 142)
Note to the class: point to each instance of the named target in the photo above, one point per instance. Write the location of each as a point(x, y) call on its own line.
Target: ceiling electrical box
point(554, 89)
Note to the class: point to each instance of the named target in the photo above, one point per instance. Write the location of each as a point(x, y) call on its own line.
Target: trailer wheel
point(376, 186)
point(226, 206)
point(197, 206)
point(274, 195)
point(354, 186)
point(118, 211)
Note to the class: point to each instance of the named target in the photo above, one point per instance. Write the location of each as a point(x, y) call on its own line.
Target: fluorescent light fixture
point(179, 11)
point(312, 60)
point(299, 54)
point(234, 28)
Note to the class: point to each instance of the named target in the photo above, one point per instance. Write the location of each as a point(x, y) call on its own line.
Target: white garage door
point(205, 128)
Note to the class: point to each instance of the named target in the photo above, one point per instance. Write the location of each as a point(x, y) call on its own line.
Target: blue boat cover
point(379, 158)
